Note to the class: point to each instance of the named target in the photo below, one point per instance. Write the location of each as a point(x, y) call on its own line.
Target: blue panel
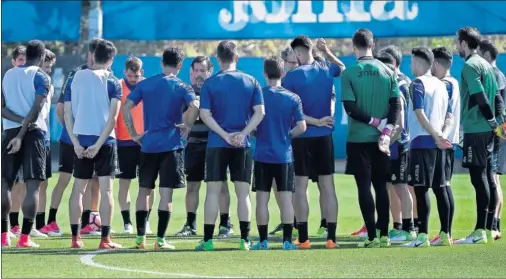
point(44, 20)
point(199, 20)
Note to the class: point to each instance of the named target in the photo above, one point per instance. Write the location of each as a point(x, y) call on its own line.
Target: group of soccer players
point(400, 133)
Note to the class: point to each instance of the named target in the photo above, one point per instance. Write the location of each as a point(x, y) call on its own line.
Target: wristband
point(387, 130)
point(493, 123)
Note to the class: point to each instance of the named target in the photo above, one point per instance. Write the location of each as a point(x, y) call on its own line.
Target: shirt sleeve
point(41, 83)
point(68, 88)
point(335, 70)
point(205, 95)
point(418, 94)
point(394, 89)
point(501, 82)
point(114, 89)
point(66, 84)
point(136, 95)
point(473, 79)
point(188, 93)
point(449, 89)
point(347, 93)
point(258, 96)
point(298, 113)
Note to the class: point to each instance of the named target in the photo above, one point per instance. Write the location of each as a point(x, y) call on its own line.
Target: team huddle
point(402, 138)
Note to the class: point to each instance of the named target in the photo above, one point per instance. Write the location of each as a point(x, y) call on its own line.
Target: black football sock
point(163, 222)
point(407, 225)
point(140, 219)
point(126, 217)
point(262, 232)
point(105, 230)
point(224, 220)
point(303, 233)
point(191, 220)
point(52, 215)
point(331, 231)
point(40, 219)
point(5, 225)
point(323, 223)
point(14, 219)
point(85, 218)
point(27, 226)
point(398, 226)
point(208, 232)
point(75, 229)
point(287, 232)
point(244, 226)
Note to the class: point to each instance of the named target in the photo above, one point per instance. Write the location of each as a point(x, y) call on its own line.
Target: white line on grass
point(87, 259)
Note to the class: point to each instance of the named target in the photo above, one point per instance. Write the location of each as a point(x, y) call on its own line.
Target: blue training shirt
point(163, 98)
point(313, 83)
point(230, 96)
point(273, 138)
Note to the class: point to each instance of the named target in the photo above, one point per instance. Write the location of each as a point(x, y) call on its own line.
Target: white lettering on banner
point(287, 11)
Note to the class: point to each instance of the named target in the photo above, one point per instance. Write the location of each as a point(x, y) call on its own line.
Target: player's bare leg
point(76, 210)
point(6, 208)
point(29, 208)
point(301, 207)
point(18, 193)
point(124, 203)
point(141, 214)
point(40, 217)
point(243, 209)
point(415, 207)
point(498, 212)
point(226, 228)
point(52, 228)
point(407, 228)
point(395, 210)
point(211, 209)
point(322, 230)
point(91, 202)
point(106, 210)
point(328, 190)
point(279, 227)
point(262, 219)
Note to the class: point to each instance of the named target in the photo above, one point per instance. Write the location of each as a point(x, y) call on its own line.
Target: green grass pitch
point(55, 259)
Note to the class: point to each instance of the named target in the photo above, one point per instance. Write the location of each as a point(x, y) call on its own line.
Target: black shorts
point(427, 167)
point(105, 163)
point(237, 160)
point(66, 158)
point(365, 158)
point(128, 161)
point(168, 165)
point(313, 156)
point(399, 169)
point(195, 161)
point(265, 173)
point(31, 156)
point(477, 150)
point(449, 162)
point(49, 171)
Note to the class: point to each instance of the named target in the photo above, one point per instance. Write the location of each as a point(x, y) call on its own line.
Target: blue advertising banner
point(44, 20)
point(254, 67)
point(200, 20)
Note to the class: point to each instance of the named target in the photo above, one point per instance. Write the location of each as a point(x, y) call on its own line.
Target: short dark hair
point(423, 53)
point(202, 59)
point(273, 67)
point(227, 51)
point(172, 56)
point(18, 51)
point(92, 46)
point(385, 57)
point(443, 56)
point(395, 52)
point(104, 52)
point(363, 39)
point(488, 45)
point(471, 35)
point(302, 41)
point(133, 64)
point(35, 50)
point(50, 56)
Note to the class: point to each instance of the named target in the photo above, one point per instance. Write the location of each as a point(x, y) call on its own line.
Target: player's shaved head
point(273, 67)
point(443, 57)
point(363, 39)
point(421, 60)
point(227, 52)
point(35, 51)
